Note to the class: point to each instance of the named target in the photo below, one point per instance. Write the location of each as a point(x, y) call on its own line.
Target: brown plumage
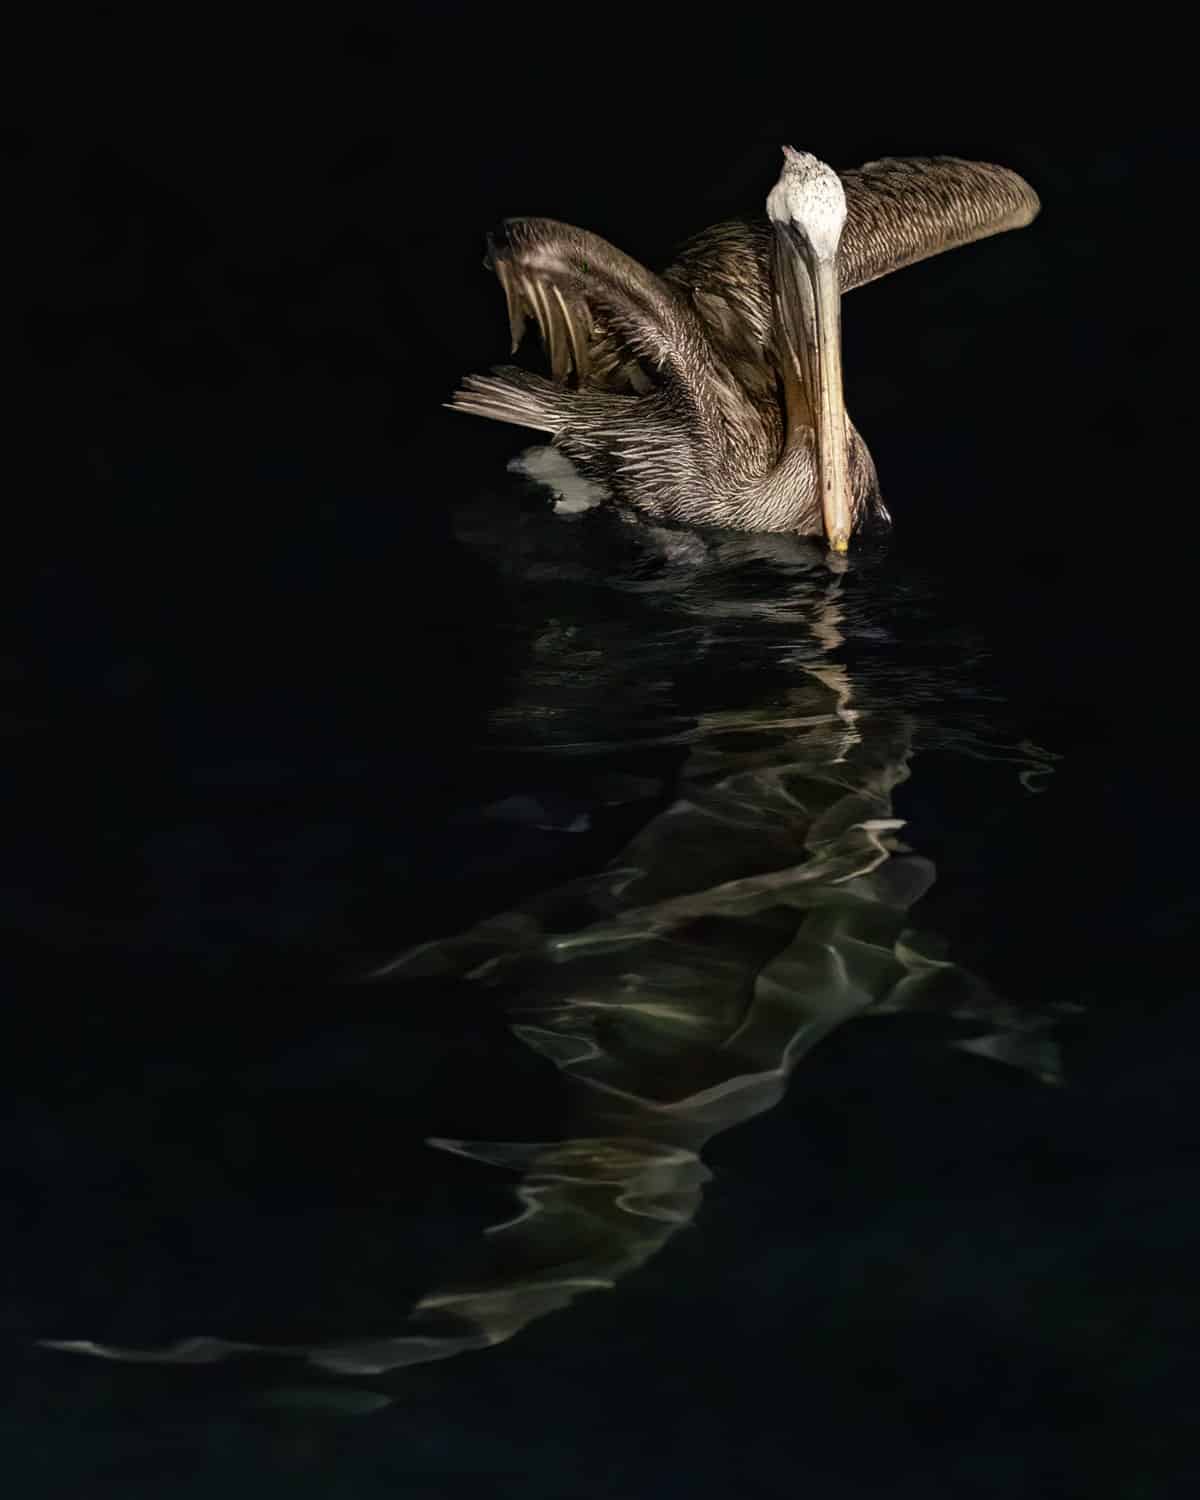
point(678, 390)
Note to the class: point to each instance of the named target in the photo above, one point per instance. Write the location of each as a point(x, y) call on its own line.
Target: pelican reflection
point(764, 902)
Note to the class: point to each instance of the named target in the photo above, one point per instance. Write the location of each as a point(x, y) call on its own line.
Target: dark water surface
point(449, 1070)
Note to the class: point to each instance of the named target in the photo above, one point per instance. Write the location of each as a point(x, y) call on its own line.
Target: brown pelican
point(712, 394)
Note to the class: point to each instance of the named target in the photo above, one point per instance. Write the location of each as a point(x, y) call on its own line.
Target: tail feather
point(511, 395)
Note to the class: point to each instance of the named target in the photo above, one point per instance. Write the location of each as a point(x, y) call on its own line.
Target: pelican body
point(712, 394)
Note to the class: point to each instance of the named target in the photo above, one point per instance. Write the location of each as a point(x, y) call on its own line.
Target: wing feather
point(905, 209)
point(600, 313)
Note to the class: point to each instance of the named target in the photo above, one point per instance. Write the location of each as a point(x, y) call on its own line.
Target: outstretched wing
point(599, 312)
point(904, 209)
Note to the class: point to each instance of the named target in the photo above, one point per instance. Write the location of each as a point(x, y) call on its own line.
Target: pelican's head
point(807, 206)
point(810, 197)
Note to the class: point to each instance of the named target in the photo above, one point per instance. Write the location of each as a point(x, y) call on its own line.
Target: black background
point(248, 651)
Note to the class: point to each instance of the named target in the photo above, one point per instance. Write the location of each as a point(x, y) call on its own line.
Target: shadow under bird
point(712, 394)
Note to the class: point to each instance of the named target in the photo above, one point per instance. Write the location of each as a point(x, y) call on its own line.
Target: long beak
point(811, 319)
